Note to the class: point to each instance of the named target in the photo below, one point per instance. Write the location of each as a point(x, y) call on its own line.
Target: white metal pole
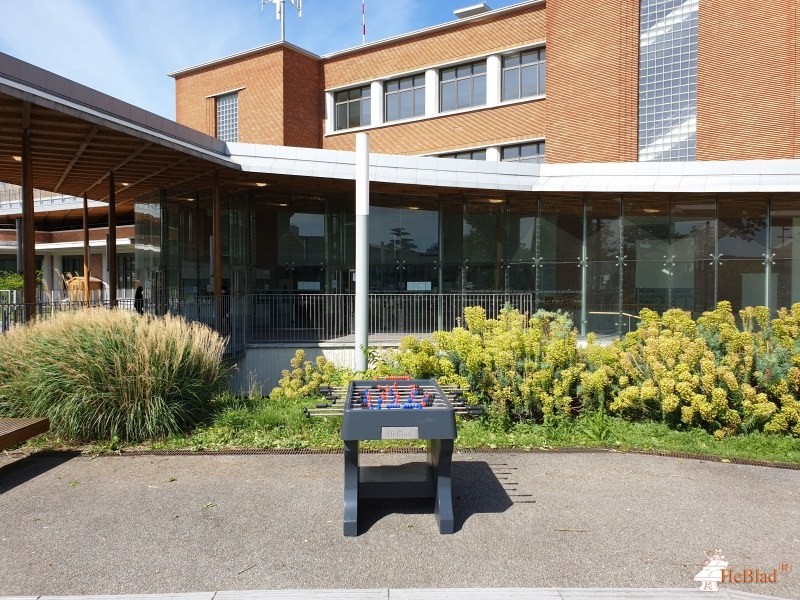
point(281, 7)
point(362, 252)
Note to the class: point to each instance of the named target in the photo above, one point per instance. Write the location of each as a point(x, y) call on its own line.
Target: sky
point(125, 48)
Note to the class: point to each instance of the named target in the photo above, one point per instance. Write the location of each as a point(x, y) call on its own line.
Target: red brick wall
point(260, 102)
point(303, 100)
point(592, 75)
point(509, 30)
point(280, 103)
point(747, 80)
point(504, 124)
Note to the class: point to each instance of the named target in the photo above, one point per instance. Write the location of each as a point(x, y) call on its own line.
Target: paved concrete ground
point(159, 524)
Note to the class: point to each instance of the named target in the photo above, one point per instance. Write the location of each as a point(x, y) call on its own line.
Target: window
point(72, 265)
point(463, 86)
point(126, 274)
point(467, 155)
point(524, 74)
point(228, 117)
point(352, 108)
point(532, 152)
point(404, 98)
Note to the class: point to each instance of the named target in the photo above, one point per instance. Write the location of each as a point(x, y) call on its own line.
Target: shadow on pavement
point(476, 489)
point(29, 467)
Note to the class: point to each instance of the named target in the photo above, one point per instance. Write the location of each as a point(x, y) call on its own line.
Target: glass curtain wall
point(600, 257)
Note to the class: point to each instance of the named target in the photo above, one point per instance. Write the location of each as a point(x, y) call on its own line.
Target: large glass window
point(463, 86)
point(228, 117)
point(741, 273)
point(524, 74)
point(784, 251)
point(404, 98)
point(521, 234)
point(530, 152)
point(467, 155)
point(560, 251)
point(404, 244)
point(352, 108)
point(690, 264)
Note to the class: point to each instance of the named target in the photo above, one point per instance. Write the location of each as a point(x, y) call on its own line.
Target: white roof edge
point(743, 176)
point(432, 28)
point(243, 54)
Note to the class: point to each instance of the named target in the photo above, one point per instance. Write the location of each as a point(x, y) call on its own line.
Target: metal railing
point(291, 317)
point(315, 317)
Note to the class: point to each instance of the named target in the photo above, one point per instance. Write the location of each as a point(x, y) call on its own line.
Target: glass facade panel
point(600, 257)
point(645, 247)
point(149, 235)
point(452, 243)
point(742, 227)
point(603, 264)
point(785, 250)
point(559, 284)
point(228, 117)
point(404, 244)
point(690, 266)
point(483, 244)
point(741, 282)
point(668, 80)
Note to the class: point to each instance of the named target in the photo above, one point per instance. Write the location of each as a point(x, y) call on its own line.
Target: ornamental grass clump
point(99, 374)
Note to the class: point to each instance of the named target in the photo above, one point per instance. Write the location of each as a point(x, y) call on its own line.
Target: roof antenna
point(279, 13)
point(363, 22)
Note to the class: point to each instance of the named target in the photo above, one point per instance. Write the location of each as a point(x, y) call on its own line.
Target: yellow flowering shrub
point(712, 372)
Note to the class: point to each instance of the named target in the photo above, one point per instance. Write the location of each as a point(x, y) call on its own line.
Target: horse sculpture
point(76, 289)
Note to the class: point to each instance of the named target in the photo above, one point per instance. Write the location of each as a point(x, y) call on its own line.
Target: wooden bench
point(16, 431)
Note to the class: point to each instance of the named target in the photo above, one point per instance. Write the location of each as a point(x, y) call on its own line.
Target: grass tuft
point(106, 374)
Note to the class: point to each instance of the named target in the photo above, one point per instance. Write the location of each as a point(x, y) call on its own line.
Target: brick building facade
point(739, 68)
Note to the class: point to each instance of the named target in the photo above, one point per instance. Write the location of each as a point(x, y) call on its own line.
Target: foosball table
point(397, 409)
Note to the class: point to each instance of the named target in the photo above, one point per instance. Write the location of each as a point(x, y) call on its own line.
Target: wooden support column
point(111, 249)
point(28, 221)
point(217, 257)
point(86, 271)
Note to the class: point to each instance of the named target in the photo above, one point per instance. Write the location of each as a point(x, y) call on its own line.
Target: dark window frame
point(349, 106)
point(519, 64)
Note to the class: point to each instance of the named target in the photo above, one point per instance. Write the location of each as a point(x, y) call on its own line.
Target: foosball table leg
point(440, 458)
point(351, 488)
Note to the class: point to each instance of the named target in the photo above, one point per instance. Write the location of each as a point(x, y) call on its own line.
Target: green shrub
point(305, 377)
point(711, 373)
point(521, 367)
point(100, 374)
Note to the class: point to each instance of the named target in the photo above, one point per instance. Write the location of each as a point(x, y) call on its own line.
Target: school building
point(592, 157)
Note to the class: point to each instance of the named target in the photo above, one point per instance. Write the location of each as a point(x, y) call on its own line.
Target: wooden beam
point(111, 249)
point(28, 222)
point(76, 156)
point(86, 271)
